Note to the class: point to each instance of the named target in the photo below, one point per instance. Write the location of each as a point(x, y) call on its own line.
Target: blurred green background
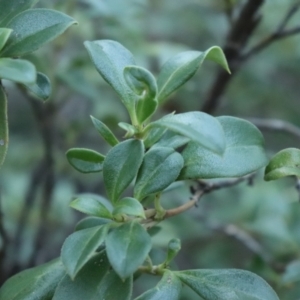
point(253, 227)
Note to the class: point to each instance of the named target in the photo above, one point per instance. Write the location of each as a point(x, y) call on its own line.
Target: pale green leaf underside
point(244, 153)
point(285, 163)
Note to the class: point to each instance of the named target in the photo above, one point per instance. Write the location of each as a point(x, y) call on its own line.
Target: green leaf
point(80, 246)
point(285, 163)
point(105, 132)
point(143, 84)
point(36, 283)
point(110, 58)
point(32, 29)
point(129, 206)
point(169, 287)
point(197, 126)
point(11, 8)
point(42, 87)
point(18, 70)
point(121, 166)
point(244, 153)
point(90, 222)
point(130, 129)
point(172, 140)
point(3, 125)
point(161, 167)
point(127, 247)
point(94, 282)
point(228, 284)
point(180, 68)
point(85, 160)
point(292, 273)
point(4, 35)
point(153, 135)
point(91, 206)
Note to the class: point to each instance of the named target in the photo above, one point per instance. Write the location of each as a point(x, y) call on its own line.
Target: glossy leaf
point(169, 287)
point(180, 68)
point(18, 70)
point(121, 166)
point(4, 35)
point(3, 125)
point(85, 160)
point(32, 29)
point(244, 153)
point(91, 206)
point(129, 206)
point(143, 84)
point(90, 222)
point(36, 283)
point(105, 132)
point(197, 126)
point(11, 8)
point(161, 167)
point(110, 58)
point(285, 163)
point(95, 281)
point(80, 246)
point(42, 87)
point(127, 246)
point(228, 284)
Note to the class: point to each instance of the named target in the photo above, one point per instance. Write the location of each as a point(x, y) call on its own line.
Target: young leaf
point(91, 206)
point(197, 126)
point(29, 34)
point(153, 135)
point(110, 58)
point(180, 68)
point(4, 35)
point(129, 206)
point(285, 163)
point(105, 132)
point(3, 125)
point(169, 287)
point(42, 87)
point(130, 129)
point(244, 153)
point(228, 284)
point(127, 247)
point(80, 246)
point(36, 283)
point(172, 140)
point(85, 160)
point(11, 8)
point(18, 70)
point(161, 166)
point(90, 222)
point(142, 83)
point(121, 166)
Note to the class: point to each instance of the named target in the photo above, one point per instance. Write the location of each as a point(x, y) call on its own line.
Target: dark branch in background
point(4, 240)
point(239, 34)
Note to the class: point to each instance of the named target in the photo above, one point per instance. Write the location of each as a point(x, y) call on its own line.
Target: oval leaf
point(11, 8)
point(18, 70)
point(29, 34)
point(121, 166)
point(42, 87)
point(143, 83)
point(127, 247)
point(129, 206)
point(85, 160)
point(227, 284)
point(169, 287)
point(105, 132)
point(285, 163)
point(197, 126)
point(172, 140)
point(91, 206)
point(244, 153)
point(80, 246)
point(161, 167)
point(4, 35)
point(110, 58)
point(90, 222)
point(180, 68)
point(3, 125)
point(36, 283)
